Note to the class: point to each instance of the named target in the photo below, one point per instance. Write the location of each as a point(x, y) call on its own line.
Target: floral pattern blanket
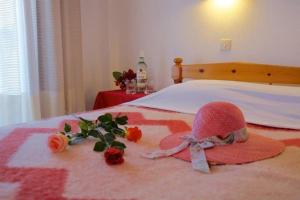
point(28, 169)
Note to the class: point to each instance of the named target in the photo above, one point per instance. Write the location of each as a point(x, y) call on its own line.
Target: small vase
point(130, 86)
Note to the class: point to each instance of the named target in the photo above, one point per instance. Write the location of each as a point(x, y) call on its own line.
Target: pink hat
point(219, 136)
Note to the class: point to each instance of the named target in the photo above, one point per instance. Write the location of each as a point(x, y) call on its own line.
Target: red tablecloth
point(114, 97)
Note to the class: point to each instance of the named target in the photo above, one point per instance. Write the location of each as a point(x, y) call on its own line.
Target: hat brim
point(255, 148)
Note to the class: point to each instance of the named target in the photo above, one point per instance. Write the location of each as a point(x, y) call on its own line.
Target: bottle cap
point(142, 54)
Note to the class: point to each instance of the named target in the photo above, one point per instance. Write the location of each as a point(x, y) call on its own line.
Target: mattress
point(28, 170)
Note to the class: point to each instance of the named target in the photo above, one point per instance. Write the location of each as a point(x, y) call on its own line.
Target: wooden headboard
point(236, 71)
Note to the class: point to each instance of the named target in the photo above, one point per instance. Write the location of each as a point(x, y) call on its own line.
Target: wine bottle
point(141, 75)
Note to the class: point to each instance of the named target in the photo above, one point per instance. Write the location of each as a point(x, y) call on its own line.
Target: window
point(31, 61)
point(13, 103)
point(10, 69)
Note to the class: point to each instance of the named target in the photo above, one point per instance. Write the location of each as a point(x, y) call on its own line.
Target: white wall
point(262, 31)
point(114, 31)
point(94, 23)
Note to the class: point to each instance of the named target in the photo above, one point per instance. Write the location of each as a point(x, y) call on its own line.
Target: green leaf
point(122, 120)
point(109, 137)
point(117, 75)
point(83, 126)
point(93, 133)
point(106, 126)
point(89, 122)
point(118, 145)
point(118, 131)
point(67, 128)
point(113, 124)
point(84, 133)
point(105, 118)
point(100, 146)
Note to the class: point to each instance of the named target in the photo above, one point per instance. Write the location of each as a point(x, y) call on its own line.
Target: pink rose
point(57, 142)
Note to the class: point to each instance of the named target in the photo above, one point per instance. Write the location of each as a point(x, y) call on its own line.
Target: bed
point(28, 170)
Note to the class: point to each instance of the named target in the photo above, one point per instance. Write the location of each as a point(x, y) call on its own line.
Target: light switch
point(225, 44)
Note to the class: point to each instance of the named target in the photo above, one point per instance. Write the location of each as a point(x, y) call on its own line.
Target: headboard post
point(177, 70)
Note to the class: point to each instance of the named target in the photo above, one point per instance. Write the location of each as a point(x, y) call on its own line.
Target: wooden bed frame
point(247, 72)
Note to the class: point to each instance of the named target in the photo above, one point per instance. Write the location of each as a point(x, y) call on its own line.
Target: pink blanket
point(28, 170)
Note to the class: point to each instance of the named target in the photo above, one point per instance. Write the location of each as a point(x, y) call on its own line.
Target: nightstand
point(114, 97)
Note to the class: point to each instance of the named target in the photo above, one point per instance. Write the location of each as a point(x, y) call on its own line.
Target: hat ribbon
point(197, 147)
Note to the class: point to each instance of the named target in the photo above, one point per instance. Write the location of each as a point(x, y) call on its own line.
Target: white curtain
point(40, 62)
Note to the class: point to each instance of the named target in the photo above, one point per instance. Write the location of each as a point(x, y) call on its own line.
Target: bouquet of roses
point(105, 130)
point(121, 78)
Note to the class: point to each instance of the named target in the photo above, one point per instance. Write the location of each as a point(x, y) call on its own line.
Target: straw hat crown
point(217, 119)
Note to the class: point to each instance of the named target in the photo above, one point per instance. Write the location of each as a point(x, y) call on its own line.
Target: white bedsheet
point(276, 106)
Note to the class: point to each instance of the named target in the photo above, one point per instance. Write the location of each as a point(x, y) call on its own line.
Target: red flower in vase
point(120, 78)
point(130, 75)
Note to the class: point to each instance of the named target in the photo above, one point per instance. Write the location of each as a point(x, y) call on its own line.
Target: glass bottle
point(141, 75)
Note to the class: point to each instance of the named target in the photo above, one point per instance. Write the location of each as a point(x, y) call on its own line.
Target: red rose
point(130, 75)
point(133, 134)
point(114, 156)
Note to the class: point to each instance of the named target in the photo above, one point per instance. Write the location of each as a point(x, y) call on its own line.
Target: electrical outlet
point(225, 44)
